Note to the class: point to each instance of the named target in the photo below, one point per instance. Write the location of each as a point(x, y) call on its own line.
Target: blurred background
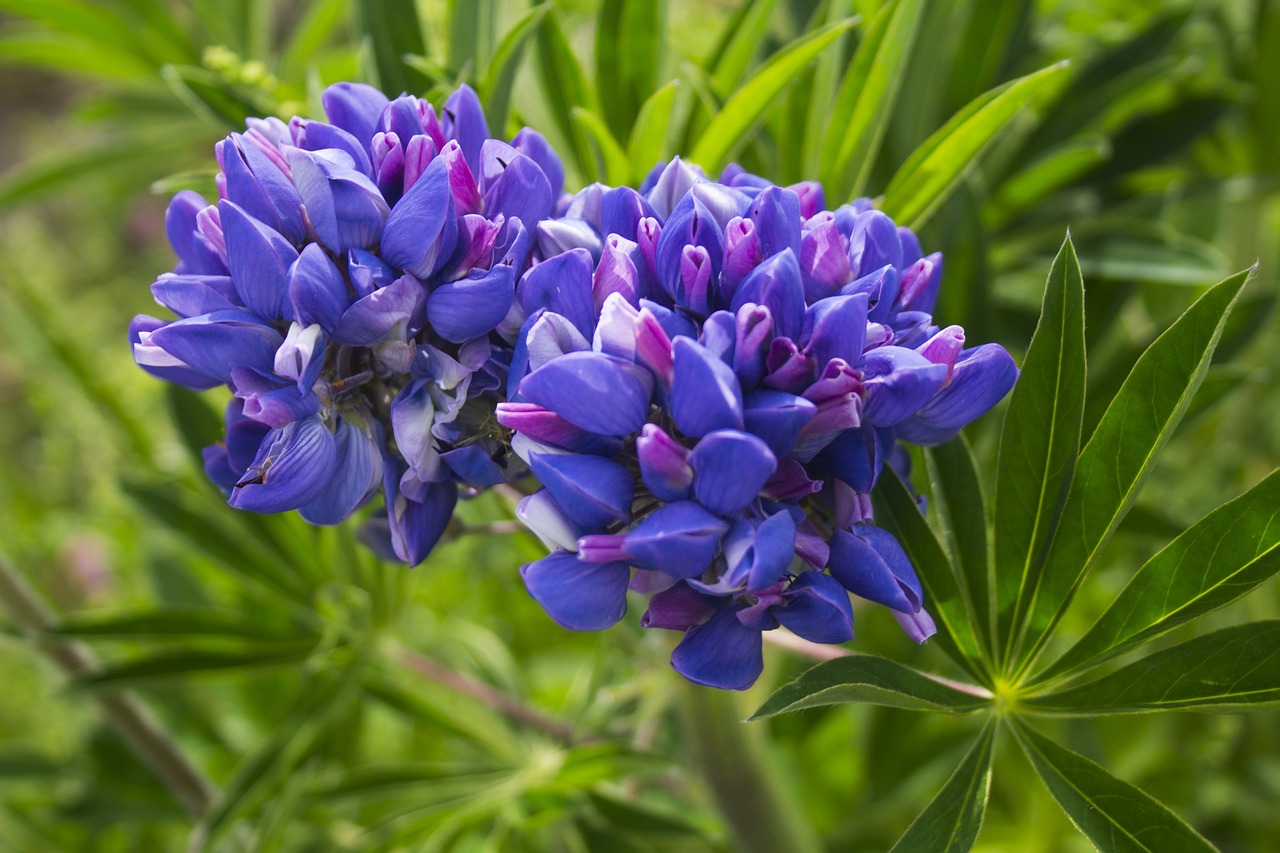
point(325, 701)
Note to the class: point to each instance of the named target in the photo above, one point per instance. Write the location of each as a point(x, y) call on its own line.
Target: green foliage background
point(325, 701)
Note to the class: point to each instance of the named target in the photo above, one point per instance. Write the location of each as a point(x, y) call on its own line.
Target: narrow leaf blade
point(867, 678)
point(1039, 442)
point(749, 104)
point(925, 181)
point(1232, 670)
point(953, 818)
point(865, 102)
point(897, 512)
point(1111, 813)
point(1119, 455)
point(1220, 558)
point(651, 131)
point(495, 89)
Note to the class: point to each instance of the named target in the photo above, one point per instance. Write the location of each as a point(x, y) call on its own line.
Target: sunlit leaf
point(755, 97)
point(866, 100)
point(629, 47)
point(393, 29)
point(616, 165)
point(932, 171)
point(742, 38)
point(495, 88)
point(650, 135)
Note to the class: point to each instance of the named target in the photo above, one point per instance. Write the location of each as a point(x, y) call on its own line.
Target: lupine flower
point(348, 286)
point(709, 400)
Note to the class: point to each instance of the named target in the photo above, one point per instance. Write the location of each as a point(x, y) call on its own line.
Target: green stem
point(731, 757)
point(155, 746)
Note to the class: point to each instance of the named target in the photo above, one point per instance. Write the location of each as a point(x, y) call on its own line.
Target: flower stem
point(731, 757)
point(504, 703)
point(139, 728)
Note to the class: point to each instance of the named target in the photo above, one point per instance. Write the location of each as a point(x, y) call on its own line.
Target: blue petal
point(357, 473)
point(817, 609)
point(729, 470)
point(759, 553)
point(874, 243)
point(621, 210)
point(473, 306)
point(835, 327)
point(777, 284)
point(422, 229)
point(578, 596)
point(899, 382)
point(417, 525)
point(776, 214)
point(193, 295)
point(680, 539)
point(535, 146)
point(473, 466)
point(213, 344)
point(705, 394)
point(679, 608)
point(690, 224)
point(664, 465)
point(562, 284)
point(721, 653)
point(596, 392)
point(260, 188)
point(317, 290)
point(981, 378)
point(777, 417)
point(592, 491)
point(374, 317)
point(316, 136)
point(355, 108)
point(292, 468)
point(463, 120)
point(869, 562)
point(259, 260)
point(520, 191)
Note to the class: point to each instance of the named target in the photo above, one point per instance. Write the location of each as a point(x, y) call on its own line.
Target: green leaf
point(867, 96)
point(617, 168)
point(324, 699)
point(738, 47)
point(198, 424)
point(495, 89)
point(170, 622)
point(1048, 174)
point(650, 134)
point(393, 29)
point(471, 29)
point(1220, 558)
point(961, 513)
point(638, 816)
point(728, 130)
point(1114, 815)
point(867, 678)
point(1039, 443)
point(629, 48)
point(316, 26)
point(1119, 455)
point(168, 667)
point(1232, 670)
point(564, 84)
point(897, 512)
point(951, 821)
point(934, 169)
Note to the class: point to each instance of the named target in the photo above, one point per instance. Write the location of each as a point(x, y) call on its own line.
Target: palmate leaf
point(728, 130)
point(864, 105)
point(934, 169)
point(1220, 558)
point(952, 820)
point(1114, 815)
point(897, 512)
point(1119, 455)
point(1232, 670)
point(867, 678)
point(1039, 442)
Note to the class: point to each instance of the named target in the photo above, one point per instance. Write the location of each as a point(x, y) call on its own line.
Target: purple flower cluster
point(708, 382)
point(705, 378)
point(353, 286)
